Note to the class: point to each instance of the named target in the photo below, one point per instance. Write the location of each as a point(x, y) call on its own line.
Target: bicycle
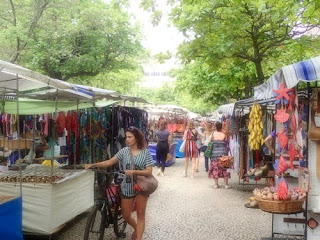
point(107, 207)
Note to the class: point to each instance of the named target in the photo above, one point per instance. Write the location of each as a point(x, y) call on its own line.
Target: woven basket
point(282, 207)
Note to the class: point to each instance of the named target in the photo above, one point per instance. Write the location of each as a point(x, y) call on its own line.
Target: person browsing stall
point(219, 149)
point(190, 151)
point(137, 147)
point(164, 140)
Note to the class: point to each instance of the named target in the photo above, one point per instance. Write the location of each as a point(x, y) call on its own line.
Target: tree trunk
point(259, 71)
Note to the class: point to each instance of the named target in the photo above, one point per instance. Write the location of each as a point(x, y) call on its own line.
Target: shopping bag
point(182, 147)
point(208, 152)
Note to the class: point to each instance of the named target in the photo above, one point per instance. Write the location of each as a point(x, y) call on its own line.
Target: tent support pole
point(91, 135)
point(33, 137)
point(18, 135)
point(76, 137)
point(54, 132)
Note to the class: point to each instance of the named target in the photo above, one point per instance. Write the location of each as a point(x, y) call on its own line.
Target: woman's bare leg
point(193, 166)
point(186, 165)
point(141, 214)
point(126, 208)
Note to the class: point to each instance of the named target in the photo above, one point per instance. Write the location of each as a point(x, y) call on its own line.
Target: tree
point(75, 39)
point(236, 43)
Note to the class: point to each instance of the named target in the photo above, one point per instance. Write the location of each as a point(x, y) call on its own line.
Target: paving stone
point(191, 209)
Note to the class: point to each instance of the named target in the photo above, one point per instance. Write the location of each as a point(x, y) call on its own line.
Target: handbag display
point(147, 184)
point(208, 152)
point(182, 147)
point(226, 161)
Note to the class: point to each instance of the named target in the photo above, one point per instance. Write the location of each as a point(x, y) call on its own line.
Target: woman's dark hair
point(163, 125)
point(218, 126)
point(140, 139)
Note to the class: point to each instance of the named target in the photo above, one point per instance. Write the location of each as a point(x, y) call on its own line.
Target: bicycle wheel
point(96, 223)
point(119, 224)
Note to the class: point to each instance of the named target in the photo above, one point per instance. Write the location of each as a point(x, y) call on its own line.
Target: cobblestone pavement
point(185, 208)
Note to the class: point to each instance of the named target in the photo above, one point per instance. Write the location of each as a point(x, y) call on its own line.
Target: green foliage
point(75, 39)
point(234, 45)
point(162, 57)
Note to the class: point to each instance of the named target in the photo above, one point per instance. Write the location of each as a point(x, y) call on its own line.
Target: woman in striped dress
point(137, 149)
point(190, 151)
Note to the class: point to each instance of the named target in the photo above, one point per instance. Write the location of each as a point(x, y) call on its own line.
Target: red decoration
point(283, 139)
point(281, 115)
point(292, 153)
point(291, 102)
point(282, 92)
point(294, 126)
point(282, 166)
point(136, 187)
point(282, 190)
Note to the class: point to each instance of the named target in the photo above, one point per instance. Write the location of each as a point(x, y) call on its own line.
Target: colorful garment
point(191, 147)
point(217, 171)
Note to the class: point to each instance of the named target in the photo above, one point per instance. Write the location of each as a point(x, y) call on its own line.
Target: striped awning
point(291, 75)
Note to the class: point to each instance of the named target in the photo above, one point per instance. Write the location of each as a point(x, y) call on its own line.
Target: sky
point(157, 38)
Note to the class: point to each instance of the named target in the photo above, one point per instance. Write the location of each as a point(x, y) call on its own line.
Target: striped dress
point(141, 161)
point(191, 147)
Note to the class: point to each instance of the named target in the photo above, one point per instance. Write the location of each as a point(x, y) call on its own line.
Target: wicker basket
point(282, 207)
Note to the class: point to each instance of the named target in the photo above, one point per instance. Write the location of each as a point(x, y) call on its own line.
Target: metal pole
point(91, 137)
point(54, 132)
point(33, 137)
point(112, 131)
point(3, 105)
point(76, 134)
point(18, 135)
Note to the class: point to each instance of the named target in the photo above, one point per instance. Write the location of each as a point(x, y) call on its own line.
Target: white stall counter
point(48, 206)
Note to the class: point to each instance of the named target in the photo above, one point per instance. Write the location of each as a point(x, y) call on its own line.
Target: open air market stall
point(255, 124)
point(48, 194)
point(177, 118)
point(295, 145)
point(73, 117)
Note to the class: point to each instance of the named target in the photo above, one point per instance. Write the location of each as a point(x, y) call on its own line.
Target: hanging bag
point(182, 147)
point(226, 161)
point(146, 184)
point(209, 149)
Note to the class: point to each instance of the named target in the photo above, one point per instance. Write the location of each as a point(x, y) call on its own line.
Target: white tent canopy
point(14, 78)
point(28, 80)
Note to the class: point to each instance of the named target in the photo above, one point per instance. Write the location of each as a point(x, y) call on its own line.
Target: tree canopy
point(233, 45)
point(73, 39)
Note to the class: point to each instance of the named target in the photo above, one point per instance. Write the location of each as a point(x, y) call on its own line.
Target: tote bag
point(183, 146)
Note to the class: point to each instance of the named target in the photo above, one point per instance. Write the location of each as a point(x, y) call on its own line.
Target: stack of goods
point(255, 127)
point(36, 174)
point(4, 199)
point(280, 199)
point(271, 194)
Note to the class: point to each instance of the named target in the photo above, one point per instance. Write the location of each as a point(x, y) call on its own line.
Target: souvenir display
point(255, 127)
